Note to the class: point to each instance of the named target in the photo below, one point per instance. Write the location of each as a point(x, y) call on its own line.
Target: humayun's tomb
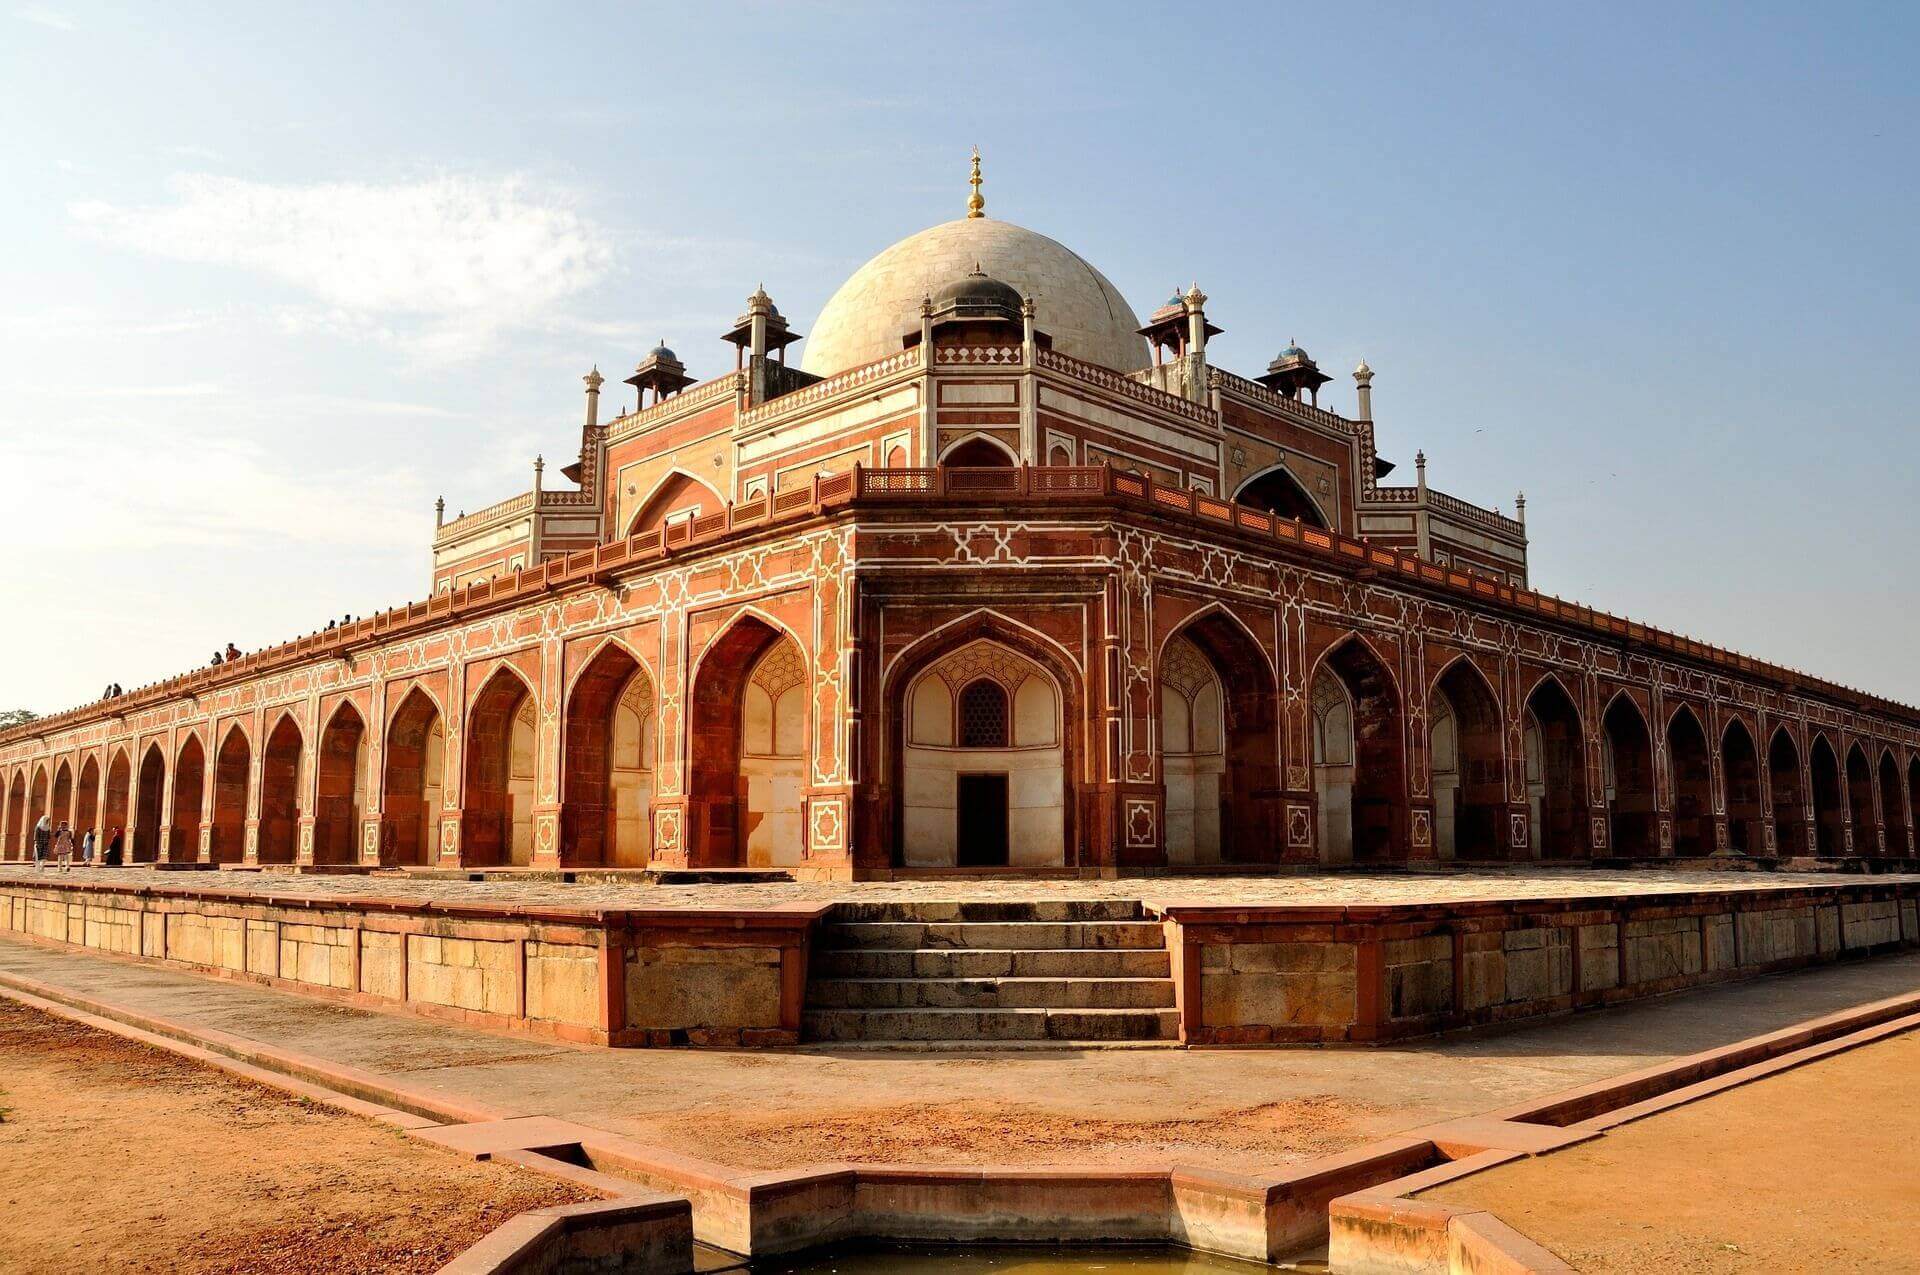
point(997, 577)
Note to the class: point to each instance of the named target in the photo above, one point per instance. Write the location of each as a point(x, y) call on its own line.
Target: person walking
point(63, 846)
point(116, 847)
point(86, 848)
point(42, 840)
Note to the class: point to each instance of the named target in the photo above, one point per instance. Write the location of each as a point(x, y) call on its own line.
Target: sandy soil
point(115, 1156)
point(976, 1131)
point(1816, 1169)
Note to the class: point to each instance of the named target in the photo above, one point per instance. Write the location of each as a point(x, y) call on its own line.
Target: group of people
point(228, 656)
point(57, 843)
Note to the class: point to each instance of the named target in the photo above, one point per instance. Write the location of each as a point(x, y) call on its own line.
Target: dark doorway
point(981, 838)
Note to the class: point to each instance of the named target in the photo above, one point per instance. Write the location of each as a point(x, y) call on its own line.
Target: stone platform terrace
point(1329, 958)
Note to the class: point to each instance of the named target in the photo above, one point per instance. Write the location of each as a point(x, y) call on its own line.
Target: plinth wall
point(1253, 976)
point(597, 977)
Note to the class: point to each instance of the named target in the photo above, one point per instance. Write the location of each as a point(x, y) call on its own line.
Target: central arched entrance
point(1629, 778)
point(149, 802)
point(1692, 784)
point(496, 823)
point(747, 739)
point(1358, 774)
point(231, 776)
point(1746, 813)
point(608, 774)
point(340, 788)
point(1220, 753)
point(1468, 764)
point(412, 793)
point(280, 793)
point(1556, 772)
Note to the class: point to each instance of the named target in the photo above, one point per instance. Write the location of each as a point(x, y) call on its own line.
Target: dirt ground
point(1816, 1169)
point(115, 1156)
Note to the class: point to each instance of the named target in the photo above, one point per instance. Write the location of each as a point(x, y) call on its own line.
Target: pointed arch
point(86, 801)
point(1788, 793)
point(37, 795)
point(1277, 491)
point(149, 805)
point(746, 757)
point(1222, 771)
point(1555, 742)
point(1913, 805)
point(340, 784)
point(280, 792)
point(607, 761)
point(62, 808)
point(1692, 768)
point(1467, 736)
point(1894, 817)
point(1829, 797)
point(14, 847)
point(1628, 765)
point(118, 805)
point(1363, 805)
point(412, 789)
point(189, 792)
point(232, 777)
point(978, 451)
point(1034, 823)
point(1740, 774)
point(1866, 839)
point(677, 497)
point(496, 821)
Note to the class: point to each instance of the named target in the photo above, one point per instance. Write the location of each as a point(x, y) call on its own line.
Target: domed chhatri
point(867, 318)
point(977, 295)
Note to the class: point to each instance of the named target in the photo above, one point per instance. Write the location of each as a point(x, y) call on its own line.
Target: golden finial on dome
point(976, 206)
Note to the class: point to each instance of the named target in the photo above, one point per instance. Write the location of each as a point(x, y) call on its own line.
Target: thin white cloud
point(447, 263)
point(40, 15)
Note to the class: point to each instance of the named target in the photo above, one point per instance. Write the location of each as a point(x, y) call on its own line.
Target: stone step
point(990, 993)
point(992, 910)
point(990, 1024)
point(910, 935)
point(964, 962)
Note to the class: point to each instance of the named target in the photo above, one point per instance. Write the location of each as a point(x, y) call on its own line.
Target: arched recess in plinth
point(1628, 761)
point(1278, 492)
point(148, 806)
point(1468, 764)
point(1692, 768)
point(1893, 805)
point(1789, 795)
point(412, 791)
point(1740, 771)
point(1556, 768)
point(86, 801)
point(985, 754)
point(1829, 799)
point(1860, 801)
point(189, 790)
point(232, 774)
point(280, 792)
point(1220, 752)
point(496, 804)
point(1358, 773)
point(747, 747)
point(62, 808)
point(16, 817)
point(341, 787)
point(607, 777)
point(113, 814)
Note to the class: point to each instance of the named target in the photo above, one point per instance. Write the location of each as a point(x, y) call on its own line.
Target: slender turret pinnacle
point(976, 206)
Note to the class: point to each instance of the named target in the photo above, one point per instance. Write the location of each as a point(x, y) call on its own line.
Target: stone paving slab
point(1309, 889)
point(1230, 1109)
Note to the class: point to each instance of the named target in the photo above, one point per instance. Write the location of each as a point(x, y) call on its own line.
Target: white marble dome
point(880, 304)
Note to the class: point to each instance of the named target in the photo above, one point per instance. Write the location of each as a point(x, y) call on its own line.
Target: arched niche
point(748, 730)
point(1893, 813)
point(232, 779)
point(189, 789)
point(496, 823)
point(1220, 756)
point(1278, 492)
point(149, 807)
point(280, 792)
point(1556, 768)
point(1627, 777)
point(1860, 802)
point(1468, 764)
point(1829, 799)
point(607, 786)
point(1359, 777)
point(341, 787)
point(1788, 794)
point(413, 787)
point(1740, 769)
point(1692, 784)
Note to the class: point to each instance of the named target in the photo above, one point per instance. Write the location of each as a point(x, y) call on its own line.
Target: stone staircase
point(1056, 971)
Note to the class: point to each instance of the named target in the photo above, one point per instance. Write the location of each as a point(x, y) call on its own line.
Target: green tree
point(16, 717)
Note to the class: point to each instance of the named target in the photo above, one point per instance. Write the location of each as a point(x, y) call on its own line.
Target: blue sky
point(277, 276)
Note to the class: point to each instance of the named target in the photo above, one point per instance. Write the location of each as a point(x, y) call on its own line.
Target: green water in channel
point(1006, 1259)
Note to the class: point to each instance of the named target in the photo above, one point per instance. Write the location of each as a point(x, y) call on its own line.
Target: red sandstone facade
point(978, 602)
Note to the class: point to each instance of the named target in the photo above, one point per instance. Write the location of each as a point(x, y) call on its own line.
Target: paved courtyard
point(1318, 889)
point(1245, 1110)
